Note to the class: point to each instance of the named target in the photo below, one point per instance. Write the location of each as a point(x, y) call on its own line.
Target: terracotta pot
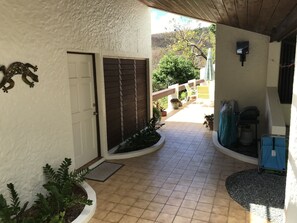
point(164, 113)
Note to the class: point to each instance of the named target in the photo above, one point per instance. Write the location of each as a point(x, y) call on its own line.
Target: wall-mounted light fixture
point(242, 48)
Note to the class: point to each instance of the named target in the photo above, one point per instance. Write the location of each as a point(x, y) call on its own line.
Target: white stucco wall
point(35, 124)
point(273, 64)
point(291, 192)
point(246, 84)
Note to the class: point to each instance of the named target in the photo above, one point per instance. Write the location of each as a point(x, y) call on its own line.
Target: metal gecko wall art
point(17, 68)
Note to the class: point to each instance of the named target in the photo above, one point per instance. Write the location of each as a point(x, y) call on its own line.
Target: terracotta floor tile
point(147, 196)
point(189, 204)
point(170, 209)
point(174, 201)
point(153, 206)
point(150, 215)
point(197, 221)
point(135, 212)
point(121, 208)
point(152, 189)
point(178, 194)
point(194, 190)
point(128, 219)
point(113, 217)
point(160, 199)
point(215, 218)
point(201, 215)
point(128, 201)
point(165, 218)
point(206, 199)
point(100, 214)
point(220, 210)
point(221, 202)
point(141, 220)
point(182, 182)
point(179, 219)
point(165, 192)
point(185, 212)
point(236, 220)
point(192, 197)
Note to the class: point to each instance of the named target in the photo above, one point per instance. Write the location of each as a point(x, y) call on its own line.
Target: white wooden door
point(83, 108)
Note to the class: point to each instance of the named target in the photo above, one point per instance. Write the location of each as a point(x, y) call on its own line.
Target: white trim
point(138, 153)
point(89, 210)
point(97, 163)
point(231, 153)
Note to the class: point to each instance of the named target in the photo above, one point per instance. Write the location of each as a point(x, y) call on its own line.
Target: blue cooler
point(272, 154)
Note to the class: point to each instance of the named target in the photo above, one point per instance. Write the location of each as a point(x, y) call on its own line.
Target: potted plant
point(209, 121)
point(156, 113)
point(163, 111)
point(160, 109)
point(175, 103)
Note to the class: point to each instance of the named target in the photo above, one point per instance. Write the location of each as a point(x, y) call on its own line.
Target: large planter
point(89, 210)
point(116, 156)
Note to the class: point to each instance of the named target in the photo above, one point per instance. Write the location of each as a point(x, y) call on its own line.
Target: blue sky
point(160, 21)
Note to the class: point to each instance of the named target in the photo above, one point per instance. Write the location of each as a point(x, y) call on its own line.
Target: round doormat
point(262, 194)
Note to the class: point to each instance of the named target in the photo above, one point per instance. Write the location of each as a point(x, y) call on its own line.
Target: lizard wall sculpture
point(14, 69)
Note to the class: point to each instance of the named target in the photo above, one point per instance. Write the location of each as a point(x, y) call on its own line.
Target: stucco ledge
point(231, 153)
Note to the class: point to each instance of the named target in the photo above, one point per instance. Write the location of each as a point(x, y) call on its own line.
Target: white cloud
point(162, 21)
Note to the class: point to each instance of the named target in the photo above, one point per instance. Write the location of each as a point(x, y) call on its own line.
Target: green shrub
point(60, 195)
point(173, 69)
point(12, 213)
point(50, 208)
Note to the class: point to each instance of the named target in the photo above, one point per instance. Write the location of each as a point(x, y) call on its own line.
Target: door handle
point(95, 113)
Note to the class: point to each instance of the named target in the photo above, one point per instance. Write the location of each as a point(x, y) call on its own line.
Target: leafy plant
point(173, 69)
point(156, 113)
point(209, 121)
point(60, 196)
point(12, 213)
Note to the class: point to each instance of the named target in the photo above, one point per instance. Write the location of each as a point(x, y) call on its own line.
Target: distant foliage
point(173, 69)
point(193, 44)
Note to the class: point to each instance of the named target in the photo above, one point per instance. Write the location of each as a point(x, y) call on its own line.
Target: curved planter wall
point(231, 153)
point(89, 210)
point(138, 153)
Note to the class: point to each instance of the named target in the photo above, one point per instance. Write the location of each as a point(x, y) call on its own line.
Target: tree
point(173, 69)
point(193, 44)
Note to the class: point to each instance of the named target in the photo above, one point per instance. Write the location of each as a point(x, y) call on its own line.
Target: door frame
point(96, 101)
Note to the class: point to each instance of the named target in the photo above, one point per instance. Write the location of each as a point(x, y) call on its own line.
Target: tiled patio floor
point(183, 182)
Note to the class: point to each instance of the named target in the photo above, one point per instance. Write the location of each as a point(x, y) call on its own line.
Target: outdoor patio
point(183, 182)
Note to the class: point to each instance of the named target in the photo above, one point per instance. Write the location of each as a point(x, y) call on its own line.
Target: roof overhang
point(275, 18)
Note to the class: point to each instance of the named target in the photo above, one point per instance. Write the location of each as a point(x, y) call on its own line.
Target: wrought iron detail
point(17, 68)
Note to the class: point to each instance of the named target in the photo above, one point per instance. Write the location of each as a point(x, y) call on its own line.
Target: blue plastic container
point(273, 153)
